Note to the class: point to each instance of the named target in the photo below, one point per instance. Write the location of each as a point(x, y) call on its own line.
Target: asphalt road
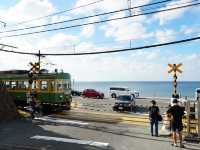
point(48, 133)
point(90, 125)
point(105, 105)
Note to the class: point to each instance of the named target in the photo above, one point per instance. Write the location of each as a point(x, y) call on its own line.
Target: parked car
point(124, 103)
point(75, 93)
point(92, 93)
point(116, 91)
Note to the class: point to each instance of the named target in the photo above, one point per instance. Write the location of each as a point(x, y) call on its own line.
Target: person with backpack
point(154, 117)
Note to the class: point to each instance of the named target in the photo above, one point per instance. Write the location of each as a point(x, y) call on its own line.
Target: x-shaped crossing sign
point(175, 68)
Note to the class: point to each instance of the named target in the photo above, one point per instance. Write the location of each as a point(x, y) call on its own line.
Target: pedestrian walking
point(177, 113)
point(154, 117)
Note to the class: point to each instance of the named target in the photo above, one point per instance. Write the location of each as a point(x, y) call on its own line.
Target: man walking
point(177, 113)
point(153, 117)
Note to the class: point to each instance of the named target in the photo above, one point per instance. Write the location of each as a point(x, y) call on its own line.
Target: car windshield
point(124, 98)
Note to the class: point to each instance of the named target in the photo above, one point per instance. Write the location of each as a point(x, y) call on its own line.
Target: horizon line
point(136, 81)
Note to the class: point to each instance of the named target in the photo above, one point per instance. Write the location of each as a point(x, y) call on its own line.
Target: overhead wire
point(86, 17)
point(56, 13)
point(106, 52)
point(102, 21)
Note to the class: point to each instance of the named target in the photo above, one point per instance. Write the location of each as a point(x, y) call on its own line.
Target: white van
point(116, 91)
point(197, 93)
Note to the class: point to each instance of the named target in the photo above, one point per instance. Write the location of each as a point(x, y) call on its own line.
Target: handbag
point(160, 117)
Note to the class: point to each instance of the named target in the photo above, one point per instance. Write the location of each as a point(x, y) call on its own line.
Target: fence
point(193, 119)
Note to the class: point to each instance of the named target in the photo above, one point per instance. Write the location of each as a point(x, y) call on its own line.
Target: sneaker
point(182, 146)
point(174, 144)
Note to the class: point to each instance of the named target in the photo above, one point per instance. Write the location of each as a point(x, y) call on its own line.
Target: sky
point(141, 65)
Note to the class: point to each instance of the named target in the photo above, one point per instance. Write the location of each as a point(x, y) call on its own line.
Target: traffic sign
point(175, 68)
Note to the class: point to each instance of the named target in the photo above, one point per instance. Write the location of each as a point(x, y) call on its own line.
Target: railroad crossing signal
point(174, 68)
point(35, 67)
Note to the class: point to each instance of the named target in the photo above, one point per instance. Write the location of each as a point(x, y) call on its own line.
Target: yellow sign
point(175, 68)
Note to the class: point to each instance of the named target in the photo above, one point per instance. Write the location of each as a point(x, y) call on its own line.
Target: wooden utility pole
point(174, 68)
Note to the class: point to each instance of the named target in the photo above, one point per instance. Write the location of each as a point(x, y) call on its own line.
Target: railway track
point(116, 118)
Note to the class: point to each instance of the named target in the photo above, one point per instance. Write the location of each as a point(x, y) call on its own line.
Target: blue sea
point(146, 88)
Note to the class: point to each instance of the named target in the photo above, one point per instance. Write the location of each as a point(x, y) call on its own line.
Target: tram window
point(65, 86)
point(26, 84)
point(59, 86)
point(21, 85)
point(7, 84)
point(13, 84)
point(43, 85)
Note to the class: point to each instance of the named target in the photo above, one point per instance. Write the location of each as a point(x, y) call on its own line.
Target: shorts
point(177, 126)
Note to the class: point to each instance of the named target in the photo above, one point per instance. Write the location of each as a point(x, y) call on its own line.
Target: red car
point(92, 93)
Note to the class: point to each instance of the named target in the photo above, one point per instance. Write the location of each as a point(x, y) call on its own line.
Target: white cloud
point(59, 42)
point(190, 29)
point(88, 31)
point(166, 16)
point(27, 10)
point(136, 65)
point(166, 35)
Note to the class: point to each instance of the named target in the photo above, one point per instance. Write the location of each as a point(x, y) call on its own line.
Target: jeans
point(154, 122)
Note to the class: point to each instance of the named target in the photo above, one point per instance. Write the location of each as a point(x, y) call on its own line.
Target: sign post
point(174, 68)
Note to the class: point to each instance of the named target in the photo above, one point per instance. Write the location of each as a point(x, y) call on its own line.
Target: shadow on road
point(18, 133)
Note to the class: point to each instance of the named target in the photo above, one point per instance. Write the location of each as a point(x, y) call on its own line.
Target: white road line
point(62, 121)
point(83, 142)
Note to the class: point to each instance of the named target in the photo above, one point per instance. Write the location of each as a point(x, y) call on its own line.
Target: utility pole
point(39, 60)
point(129, 7)
point(174, 68)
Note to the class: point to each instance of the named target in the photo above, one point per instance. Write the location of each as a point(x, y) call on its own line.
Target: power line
point(57, 13)
point(91, 16)
point(5, 45)
point(110, 51)
point(102, 21)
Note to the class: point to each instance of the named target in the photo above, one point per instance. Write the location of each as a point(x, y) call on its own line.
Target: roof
point(23, 74)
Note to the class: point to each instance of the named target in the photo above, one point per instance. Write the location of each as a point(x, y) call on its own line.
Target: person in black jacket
point(177, 113)
point(153, 117)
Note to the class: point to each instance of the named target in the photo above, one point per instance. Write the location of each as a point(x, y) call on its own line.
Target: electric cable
point(102, 21)
point(86, 17)
point(106, 52)
point(56, 13)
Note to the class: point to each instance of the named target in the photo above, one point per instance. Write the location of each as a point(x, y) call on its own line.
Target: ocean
point(145, 88)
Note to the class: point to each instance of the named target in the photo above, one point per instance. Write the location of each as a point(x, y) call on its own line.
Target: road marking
point(66, 140)
point(62, 121)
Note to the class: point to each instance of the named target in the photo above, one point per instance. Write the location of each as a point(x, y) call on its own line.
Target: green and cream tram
point(53, 90)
